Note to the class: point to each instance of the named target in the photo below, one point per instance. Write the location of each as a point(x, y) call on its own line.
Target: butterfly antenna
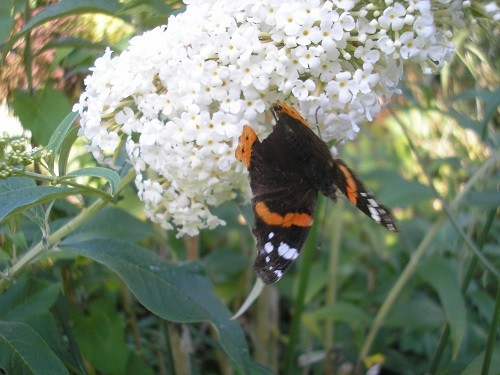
point(317, 122)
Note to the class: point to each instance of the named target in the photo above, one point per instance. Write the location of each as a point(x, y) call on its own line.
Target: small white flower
point(393, 17)
point(301, 89)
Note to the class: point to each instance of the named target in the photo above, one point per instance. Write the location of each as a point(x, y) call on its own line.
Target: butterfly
point(287, 170)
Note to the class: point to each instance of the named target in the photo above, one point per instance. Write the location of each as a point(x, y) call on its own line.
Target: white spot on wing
point(287, 252)
point(374, 213)
point(268, 247)
point(373, 202)
point(268, 259)
point(271, 235)
point(278, 273)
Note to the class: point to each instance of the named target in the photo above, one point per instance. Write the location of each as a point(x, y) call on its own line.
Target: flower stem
point(331, 287)
point(305, 270)
point(55, 237)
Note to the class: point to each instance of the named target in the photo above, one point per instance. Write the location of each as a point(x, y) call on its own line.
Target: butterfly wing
point(351, 186)
point(283, 201)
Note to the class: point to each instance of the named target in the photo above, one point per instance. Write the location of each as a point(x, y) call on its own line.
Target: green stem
point(305, 270)
point(333, 263)
point(55, 237)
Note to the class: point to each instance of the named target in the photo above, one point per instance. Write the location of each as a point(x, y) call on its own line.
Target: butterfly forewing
point(350, 185)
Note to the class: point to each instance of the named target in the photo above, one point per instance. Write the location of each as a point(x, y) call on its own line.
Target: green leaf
point(101, 338)
point(26, 298)
point(491, 100)
point(108, 174)
point(476, 365)
point(57, 138)
point(419, 313)
point(18, 200)
point(41, 112)
point(14, 183)
point(66, 146)
point(442, 277)
point(177, 292)
point(23, 351)
point(34, 213)
point(112, 222)
point(484, 304)
point(6, 20)
point(338, 311)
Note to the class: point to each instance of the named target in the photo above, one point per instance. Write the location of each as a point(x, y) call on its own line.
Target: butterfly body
point(287, 170)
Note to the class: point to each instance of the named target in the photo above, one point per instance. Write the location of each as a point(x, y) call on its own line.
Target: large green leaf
point(178, 292)
point(100, 336)
point(438, 273)
point(25, 299)
point(42, 112)
point(113, 222)
point(23, 351)
point(14, 201)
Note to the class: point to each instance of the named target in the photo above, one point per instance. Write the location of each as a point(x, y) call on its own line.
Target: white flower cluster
point(180, 95)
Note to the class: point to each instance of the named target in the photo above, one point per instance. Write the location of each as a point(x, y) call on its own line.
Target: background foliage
point(89, 286)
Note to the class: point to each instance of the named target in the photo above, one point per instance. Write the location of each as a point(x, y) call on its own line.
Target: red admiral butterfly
point(287, 170)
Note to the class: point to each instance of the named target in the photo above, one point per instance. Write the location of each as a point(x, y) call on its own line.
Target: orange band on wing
point(283, 108)
point(351, 188)
point(245, 142)
point(273, 218)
